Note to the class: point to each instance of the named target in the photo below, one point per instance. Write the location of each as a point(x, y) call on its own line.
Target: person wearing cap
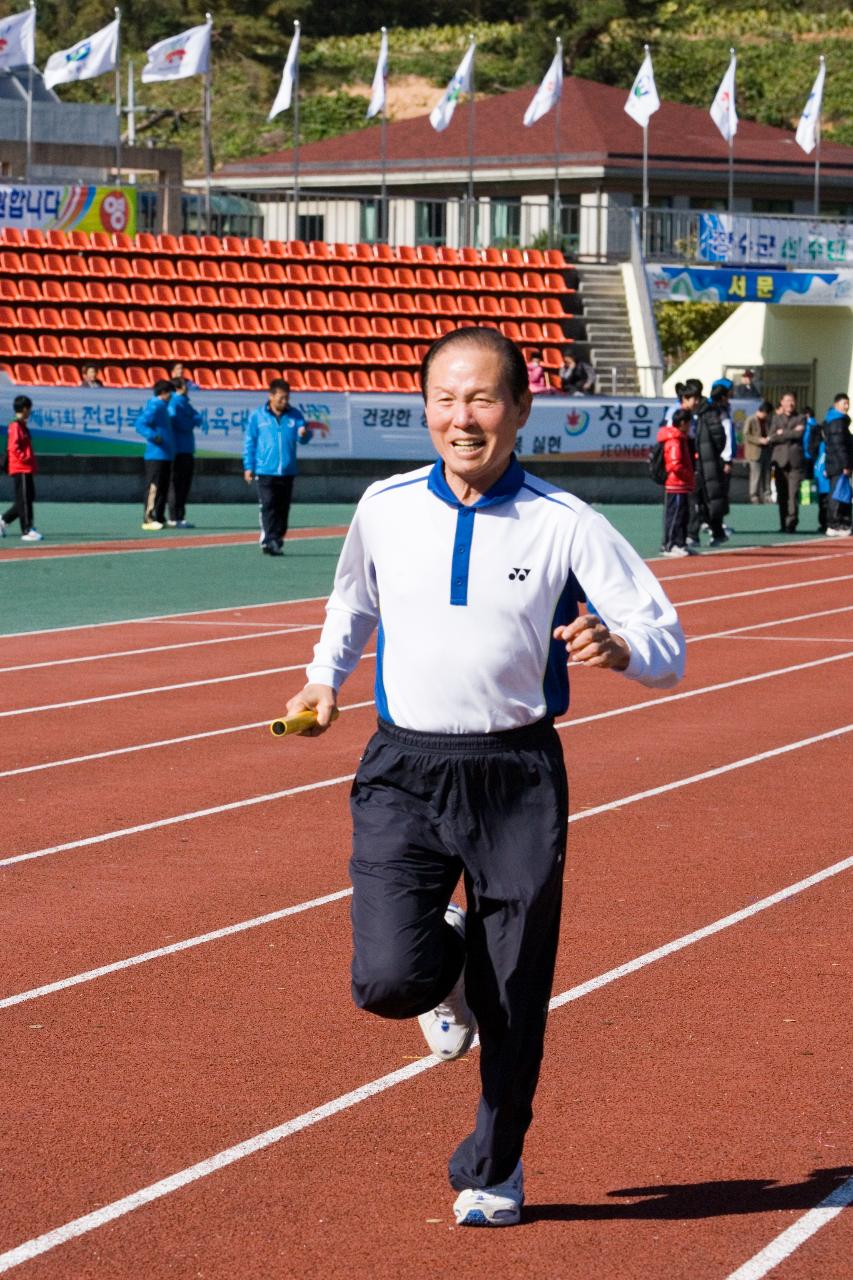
point(746, 388)
point(787, 428)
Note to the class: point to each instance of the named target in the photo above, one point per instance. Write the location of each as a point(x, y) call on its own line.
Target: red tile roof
point(594, 130)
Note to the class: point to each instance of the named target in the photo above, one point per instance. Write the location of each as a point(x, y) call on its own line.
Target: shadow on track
point(700, 1199)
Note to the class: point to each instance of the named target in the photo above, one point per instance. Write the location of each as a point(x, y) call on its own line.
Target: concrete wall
point(65, 478)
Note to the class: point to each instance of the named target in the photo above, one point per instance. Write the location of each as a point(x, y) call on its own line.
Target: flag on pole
point(550, 90)
point(723, 111)
point(643, 100)
point(179, 57)
point(86, 59)
point(810, 119)
point(288, 76)
point(18, 39)
point(380, 76)
point(462, 82)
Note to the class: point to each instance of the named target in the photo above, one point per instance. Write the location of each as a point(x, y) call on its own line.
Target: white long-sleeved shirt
point(466, 599)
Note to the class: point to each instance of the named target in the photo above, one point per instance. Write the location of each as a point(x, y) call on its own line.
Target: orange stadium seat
point(187, 269)
point(24, 374)
point(233, 246)
point(295, 249)
point(359, 353)
point(113, 376)
point(8, 318)
point(34, 237)
point(205, 350)
point(315, 324)
point(271, 351)
point(249, 351)
point(342, 252)
point(337, 353)
point(138, 321)
point(94, 319)
point(164, 269)
point(226, 351)
point(252, 298)
point(68, 375)
point(247, 322)
point(443, 326)
point(318, 249)
point(29, 290)
point(381, 302)
point(140, 294)
point(212, 246)
point(401, 327)
point(295, 378)
point(226, 380)
point(402, 353)
point(161, 349)
point(71, 346)
point(402, 380)
point(162, 295)
point(147, 243)
point(254, 247)
point(206, 296)
point(118, 293)
point(228, 322)
point(424, 328)
point(336, 380)
point(7, 347)
point(359, 327)
point(384, 277)
point(339, 300)
point(136, 377)
point(230, 297)
point(49, 318)
point(183, 349)
point(9, 290)
point(359, 380)
point(276, 325)
point(205, 380)
point(338, 325)
point(275, 273)
point(248, 380)
point(253, 272)
point(380, 353)
point(11, 236)
point(380, 380)
point(54, 264)
point(31, 263)
point(232, 270)
point(122, 242)
point(380, 327)
point(208, 270)
point(190, 245)
point(316, 352)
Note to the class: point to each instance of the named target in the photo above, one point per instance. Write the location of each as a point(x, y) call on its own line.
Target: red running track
point(690, 1111)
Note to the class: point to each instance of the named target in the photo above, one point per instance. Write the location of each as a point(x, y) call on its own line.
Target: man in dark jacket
point(787, 428)
point(711, 469)
point(577, 378)
point(835, 430)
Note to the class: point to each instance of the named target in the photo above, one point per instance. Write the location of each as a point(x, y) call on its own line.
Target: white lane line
point(232, 805)
point(789, 563)
point(72, 1230)
point(209, 622)
point(695, 693)
point(800, 1231)
point(161, 688)
point(774, 622)
point(163, 648)
point(163, 617)
point(799, 639)
point(27, 557)
point(760, 591)
point(164, 742)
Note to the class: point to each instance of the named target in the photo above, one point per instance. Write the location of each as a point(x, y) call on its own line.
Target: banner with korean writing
point(726, 284)
point(787, 242)
point(100, 420)
point(68, 208)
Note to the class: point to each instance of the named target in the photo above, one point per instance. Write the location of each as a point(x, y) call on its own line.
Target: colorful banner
point(788, 242)
point(72, 420)
point(724, 284)
point(73, 208)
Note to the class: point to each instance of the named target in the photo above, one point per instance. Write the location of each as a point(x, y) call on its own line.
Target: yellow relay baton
point(297, 723)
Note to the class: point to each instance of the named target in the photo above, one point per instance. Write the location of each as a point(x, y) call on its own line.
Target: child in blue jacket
point(155, 425)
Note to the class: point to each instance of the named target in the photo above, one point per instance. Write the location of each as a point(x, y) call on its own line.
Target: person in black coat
point(835, 430)
point(711, 469)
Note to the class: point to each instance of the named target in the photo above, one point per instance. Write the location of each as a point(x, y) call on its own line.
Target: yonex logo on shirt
point(519, 574)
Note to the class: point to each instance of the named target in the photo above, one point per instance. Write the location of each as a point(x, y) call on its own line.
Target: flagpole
point(296, 138)
point(383, 145)
point(207, 119)
point(30, 106)
point(469, 209)
point(645, 210)
point(731, 155)
point(555, 235)
point(817, 154)
point(118, 95)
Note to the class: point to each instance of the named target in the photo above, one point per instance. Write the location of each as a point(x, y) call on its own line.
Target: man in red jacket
point(680, 483)
point(22, 467)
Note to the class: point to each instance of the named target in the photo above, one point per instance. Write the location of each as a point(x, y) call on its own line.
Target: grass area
point(75, 590)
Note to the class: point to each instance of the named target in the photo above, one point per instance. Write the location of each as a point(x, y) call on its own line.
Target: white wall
point(758, 334)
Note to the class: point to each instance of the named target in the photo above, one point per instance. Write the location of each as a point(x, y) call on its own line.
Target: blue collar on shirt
point(507, 486)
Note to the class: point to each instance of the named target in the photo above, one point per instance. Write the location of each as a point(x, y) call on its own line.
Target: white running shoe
point(152, 525)
point(32, 535)
point(450, 1027)
point(498, 1206)
point(675, 553)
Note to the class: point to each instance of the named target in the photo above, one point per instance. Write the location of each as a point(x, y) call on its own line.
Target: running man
point(473, 571)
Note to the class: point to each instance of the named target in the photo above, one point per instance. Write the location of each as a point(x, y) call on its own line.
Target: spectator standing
point(155, 425)
point(679, 484)
point(787, 429)
point(90, 377)
point(536, 376)
point(577, 377)
point(269, 458)
point(835, 430)
point(711, 471)
point(756, 451)
point(747, 389)
point(22, 466)
point(185, 418)
point(179, 370)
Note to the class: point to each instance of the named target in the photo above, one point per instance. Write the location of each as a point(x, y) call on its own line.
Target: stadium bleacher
point(335, 317)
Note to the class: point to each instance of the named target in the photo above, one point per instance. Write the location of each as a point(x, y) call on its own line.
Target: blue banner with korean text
point(731, 284)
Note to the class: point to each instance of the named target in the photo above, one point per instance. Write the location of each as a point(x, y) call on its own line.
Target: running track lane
point(660, 1049)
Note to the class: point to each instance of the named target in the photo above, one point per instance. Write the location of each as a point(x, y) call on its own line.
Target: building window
point(506, 222)
point(430, 222)
point(311, 226)
point(371, 229)
point(772, 206)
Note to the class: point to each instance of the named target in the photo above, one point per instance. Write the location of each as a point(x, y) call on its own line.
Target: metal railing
point(778, 240)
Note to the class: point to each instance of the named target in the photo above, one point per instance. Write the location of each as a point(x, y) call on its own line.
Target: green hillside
point(777, 48)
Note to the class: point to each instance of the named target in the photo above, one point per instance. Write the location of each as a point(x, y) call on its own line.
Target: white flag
point(87, 58)
point(380, 75)
point(549, 91)
point(810, 119)
point(179, 57)
point(462, 82)
point(18, 39)
point(288, 77)
point(643, 100)
point(723, 111)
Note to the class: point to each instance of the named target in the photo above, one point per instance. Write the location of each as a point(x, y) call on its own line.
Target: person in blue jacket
point(155, 425)
point(185, 418)
point(269, 458)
